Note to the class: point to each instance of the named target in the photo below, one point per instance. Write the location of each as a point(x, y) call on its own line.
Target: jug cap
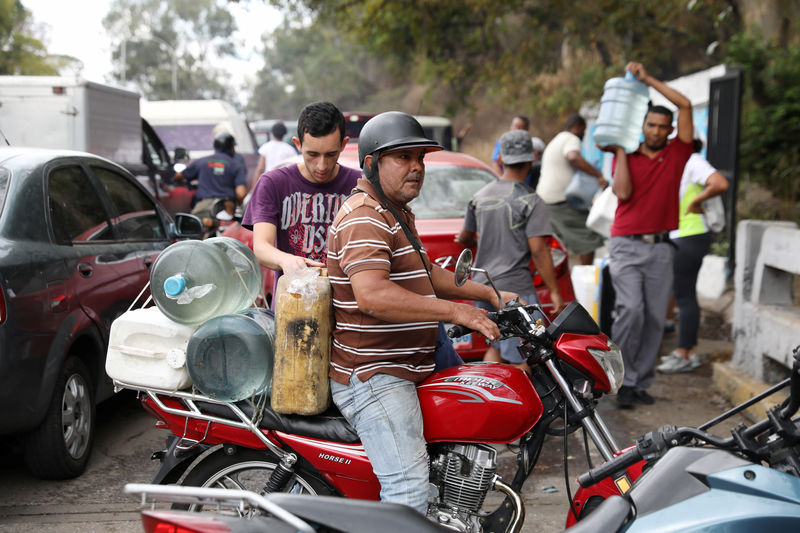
point(629, 76)
point(174, 285)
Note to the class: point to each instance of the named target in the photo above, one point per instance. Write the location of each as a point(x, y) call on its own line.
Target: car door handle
point(85, 269)
point(148, 261)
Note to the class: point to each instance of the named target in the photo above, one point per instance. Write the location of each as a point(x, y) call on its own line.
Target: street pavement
point(95, 502)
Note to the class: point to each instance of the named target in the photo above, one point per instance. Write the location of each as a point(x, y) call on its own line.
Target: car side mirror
point(188, 226)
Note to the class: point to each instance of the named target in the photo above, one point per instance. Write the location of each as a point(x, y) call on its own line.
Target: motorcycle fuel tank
point(478, 402)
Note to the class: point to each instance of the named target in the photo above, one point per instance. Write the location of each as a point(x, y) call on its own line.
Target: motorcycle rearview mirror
point(464, 268)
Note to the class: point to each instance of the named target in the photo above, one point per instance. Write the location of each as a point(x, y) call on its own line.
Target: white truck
point(75, 114)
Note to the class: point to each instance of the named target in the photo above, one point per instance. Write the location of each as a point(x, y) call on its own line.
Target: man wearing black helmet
point(219, 176)
point(386, 303)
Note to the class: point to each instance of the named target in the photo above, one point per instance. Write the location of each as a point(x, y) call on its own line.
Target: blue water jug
point(622, 111)
point(193, 281)
point(231, 357)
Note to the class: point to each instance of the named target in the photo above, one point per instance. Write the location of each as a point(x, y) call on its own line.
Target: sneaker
point(694, 361)
point(671, 355)
point(626, 397)
point(643, 397)
point(676, 365)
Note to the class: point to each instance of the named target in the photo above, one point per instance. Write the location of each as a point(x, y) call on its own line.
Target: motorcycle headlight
point(611, 361)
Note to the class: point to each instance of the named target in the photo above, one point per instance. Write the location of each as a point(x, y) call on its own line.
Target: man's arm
point(540, 253)
point(579, 163)
point(716, 184)
point(445, 286)
point(264, 238)
point(241, 192)
point(685, 127)
point(379, 297)
point(262, 164)
point(468, 239)
point(622, 184)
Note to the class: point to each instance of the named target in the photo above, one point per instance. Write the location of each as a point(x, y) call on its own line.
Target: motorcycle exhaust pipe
point(515, 523)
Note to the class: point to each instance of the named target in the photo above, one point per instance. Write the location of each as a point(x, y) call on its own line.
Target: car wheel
point(60, 447)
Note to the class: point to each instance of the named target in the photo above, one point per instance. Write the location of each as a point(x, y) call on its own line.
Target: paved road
point(95, 501)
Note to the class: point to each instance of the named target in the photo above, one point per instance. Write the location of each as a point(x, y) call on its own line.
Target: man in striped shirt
point(386, 302)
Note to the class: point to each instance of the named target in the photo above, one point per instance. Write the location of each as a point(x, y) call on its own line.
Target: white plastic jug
point(193, 281)
point(622, 111)
point(148, 349)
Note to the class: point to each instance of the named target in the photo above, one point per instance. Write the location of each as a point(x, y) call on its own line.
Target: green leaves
point(172, 48)
point(20, 51)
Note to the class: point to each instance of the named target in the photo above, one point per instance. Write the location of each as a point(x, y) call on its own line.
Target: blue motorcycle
point(695, 481)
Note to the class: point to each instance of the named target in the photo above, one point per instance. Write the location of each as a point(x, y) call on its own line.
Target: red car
point(451, 179)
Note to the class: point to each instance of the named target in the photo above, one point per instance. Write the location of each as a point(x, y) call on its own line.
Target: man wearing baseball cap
point(509, 223)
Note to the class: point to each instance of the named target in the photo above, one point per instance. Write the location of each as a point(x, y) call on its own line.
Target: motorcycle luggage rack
point(189, 398)
point(227, 498)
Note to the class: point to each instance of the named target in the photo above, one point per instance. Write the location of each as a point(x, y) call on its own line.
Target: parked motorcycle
point(466, 409)
point(696, 481)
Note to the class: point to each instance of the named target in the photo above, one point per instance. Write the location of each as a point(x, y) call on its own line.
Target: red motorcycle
point(466, 410)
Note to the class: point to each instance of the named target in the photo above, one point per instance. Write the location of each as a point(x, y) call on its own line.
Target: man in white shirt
point(561, 158)
point(273, 151)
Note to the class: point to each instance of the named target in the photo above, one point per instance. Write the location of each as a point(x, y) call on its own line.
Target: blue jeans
point(386, 414)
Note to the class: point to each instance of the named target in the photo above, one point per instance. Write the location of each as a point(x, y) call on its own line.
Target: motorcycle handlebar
point(459, 330)
point(651, 446)
point(620, 462)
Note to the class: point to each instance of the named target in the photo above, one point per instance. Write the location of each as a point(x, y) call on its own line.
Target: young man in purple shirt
point(292, 207)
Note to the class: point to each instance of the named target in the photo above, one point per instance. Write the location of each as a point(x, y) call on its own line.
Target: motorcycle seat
point(330, 425)
point(609, 516)
point(355, 516)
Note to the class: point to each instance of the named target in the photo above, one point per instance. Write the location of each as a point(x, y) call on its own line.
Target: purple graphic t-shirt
point(301, 211)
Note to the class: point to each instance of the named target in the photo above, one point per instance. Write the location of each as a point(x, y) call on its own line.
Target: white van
point(192, 124)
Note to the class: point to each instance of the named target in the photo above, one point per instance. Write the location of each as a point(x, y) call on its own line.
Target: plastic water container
point(230, 357)
point(622, 111)
point(148, 349)
point(586, 285)
point(193, 281)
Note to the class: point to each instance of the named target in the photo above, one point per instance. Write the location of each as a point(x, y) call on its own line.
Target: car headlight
point(611, 361)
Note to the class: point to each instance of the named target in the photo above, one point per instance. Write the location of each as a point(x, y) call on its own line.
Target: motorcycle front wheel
point(245, 470)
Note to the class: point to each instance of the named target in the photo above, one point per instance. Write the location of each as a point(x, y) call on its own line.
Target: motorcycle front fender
point(175, 461)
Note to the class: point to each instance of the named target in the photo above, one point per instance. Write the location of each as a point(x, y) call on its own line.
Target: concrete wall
point(766, 321)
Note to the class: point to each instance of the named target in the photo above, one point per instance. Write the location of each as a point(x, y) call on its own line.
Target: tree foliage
point(20, 52)
point(308, 63)
point(512, 49)
point(770, 125)
point(154, 40)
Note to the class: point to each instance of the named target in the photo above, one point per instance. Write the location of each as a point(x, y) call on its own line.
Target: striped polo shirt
point(365, 236)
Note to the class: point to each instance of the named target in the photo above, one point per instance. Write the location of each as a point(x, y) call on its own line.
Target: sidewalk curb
point(737, 387)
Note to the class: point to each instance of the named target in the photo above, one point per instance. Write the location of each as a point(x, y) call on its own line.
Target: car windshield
point(447, 189)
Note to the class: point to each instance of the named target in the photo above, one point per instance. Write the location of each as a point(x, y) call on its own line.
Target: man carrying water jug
point(646, 183)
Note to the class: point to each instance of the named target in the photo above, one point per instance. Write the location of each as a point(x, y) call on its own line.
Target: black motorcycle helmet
point(224, 142)
point(391, 131)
